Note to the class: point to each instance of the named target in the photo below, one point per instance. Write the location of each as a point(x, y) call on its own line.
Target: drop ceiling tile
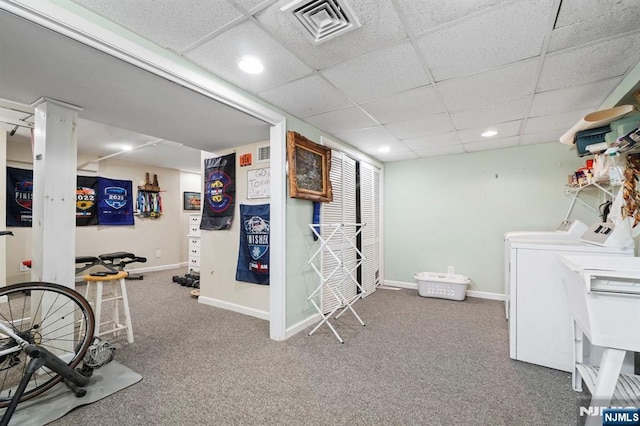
point(381, 27)
point(406, 105)
point(377, 134)
point(552, 136)
point(500, 36)
point(167, 23)
point(510, 128)
point(304, 97)
point(587, 64)
point(561, 121)
point(579, 11)
point(487, 115)
point(573, 98)
point(220, 56)
point(438, 151)
point(372, 148)
point(377, 74)
point(388, 157)
point(491, 144)
point(435, 141)
point(428, 125)
point(424, 15)
point(342, 120)
point(253, 6)
point(601, 27)
point(503, 84)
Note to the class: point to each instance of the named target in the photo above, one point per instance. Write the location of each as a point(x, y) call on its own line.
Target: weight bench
point(112, 261)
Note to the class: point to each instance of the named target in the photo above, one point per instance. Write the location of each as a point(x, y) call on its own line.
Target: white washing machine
point(567, 230)
point(540, 326)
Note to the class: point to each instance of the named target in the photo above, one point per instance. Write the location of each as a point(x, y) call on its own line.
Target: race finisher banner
point(115, 202)
point(19, 197)
point(253, 257)
point(219, 192)
point(86, 201)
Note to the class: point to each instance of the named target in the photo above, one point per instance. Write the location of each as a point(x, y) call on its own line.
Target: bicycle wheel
point(49, 315)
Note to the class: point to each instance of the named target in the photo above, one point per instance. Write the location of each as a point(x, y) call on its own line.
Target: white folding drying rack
point(349, 270)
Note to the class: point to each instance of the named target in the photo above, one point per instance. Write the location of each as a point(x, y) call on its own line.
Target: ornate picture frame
point(309, 167)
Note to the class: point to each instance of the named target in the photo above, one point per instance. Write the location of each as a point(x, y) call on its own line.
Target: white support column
point(54, 189)
point(3, 207)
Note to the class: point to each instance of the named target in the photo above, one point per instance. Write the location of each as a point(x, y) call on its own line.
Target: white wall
point(219, 252)
point(454, 210)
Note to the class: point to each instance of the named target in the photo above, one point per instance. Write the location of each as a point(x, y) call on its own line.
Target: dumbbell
point(196, 284)
point(175, 278)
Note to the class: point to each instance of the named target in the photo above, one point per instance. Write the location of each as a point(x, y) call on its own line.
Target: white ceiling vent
point(322, 20)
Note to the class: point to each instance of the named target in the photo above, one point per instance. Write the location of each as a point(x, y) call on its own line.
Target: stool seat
point(117, 293)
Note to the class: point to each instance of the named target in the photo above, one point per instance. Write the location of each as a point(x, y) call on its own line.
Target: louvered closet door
point(341, 210)
point(370, 214)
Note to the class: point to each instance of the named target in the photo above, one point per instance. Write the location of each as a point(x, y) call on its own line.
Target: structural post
point(3, 206)
point(54, 192)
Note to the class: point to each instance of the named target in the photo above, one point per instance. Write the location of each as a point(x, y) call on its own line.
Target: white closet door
point(341, 210)
point(370, 214)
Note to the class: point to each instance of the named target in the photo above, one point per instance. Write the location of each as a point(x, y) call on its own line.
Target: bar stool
point(115, 283)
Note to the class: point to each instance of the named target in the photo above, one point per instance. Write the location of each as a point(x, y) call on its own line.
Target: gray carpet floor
point(418, 361)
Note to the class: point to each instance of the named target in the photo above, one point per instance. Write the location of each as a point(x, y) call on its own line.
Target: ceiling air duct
point(322, 20)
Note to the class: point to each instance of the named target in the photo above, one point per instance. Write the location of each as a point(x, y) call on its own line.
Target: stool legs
point(114, 296)
point(127, 313)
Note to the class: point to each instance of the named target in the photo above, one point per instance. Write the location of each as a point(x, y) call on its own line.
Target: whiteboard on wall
point(258, 183)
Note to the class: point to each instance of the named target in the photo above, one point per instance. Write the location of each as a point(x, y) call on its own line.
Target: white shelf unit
point(598, 191)
point(342, 271)
point(194, 242)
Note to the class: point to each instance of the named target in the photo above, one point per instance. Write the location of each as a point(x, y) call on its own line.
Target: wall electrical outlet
point(23, 267)
point(158, 253)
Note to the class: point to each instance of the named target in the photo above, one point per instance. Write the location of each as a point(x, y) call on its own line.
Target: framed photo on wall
point(191, 200)
point(309, 167)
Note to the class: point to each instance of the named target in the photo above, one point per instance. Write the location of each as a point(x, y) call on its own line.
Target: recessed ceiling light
point(126, 147)
point(384, 149)
point(489, 133)
point(251, 65)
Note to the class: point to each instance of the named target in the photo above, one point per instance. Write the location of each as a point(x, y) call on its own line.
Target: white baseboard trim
point(234, 307)
point(470, 293)
point(156, 268)
point(297, 328)
point(400, 284)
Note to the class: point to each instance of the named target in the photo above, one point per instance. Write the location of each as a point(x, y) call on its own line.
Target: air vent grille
point(322, 20)
point(264, 153)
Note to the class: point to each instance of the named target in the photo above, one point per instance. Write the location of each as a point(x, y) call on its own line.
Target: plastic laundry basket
point(443, 286)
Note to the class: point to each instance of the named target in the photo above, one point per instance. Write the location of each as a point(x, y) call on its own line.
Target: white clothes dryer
point(567, 230)
point(540, 325)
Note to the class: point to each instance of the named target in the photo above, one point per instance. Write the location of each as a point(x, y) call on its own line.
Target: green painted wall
point(454, 210)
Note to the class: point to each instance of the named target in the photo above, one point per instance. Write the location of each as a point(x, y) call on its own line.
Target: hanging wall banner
point(86, 205)
point(115, 202)
point(219, 192)
point(19, 197)
point(253, 258)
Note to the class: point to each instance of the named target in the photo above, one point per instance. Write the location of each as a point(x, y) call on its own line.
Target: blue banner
point(115, 202)
point(253, 258)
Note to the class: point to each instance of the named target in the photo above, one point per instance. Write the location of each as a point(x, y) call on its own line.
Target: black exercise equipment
point(118, 260)
point(114, 262)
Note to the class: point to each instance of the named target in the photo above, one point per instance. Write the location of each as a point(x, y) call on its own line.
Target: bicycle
point(45, 331)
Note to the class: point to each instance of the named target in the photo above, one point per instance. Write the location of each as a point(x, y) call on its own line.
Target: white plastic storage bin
point(444, 286)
